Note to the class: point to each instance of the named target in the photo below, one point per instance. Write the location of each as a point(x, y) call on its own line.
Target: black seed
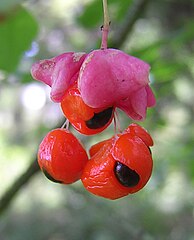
point(126, 176)
point(100, 119)
point(50, 177)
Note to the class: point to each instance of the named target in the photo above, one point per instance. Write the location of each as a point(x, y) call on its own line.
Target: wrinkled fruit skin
point(83, 118)
point(61, 156)
point(105, 78)
point(121, 165)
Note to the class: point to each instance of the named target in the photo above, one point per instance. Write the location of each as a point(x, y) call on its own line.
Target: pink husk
point(110, 75)
point(58, 72)
point(135, 106)
point(106, 77)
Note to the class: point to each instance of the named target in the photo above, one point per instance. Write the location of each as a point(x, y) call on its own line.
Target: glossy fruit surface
point(132, 152)
point(61, 156)
point(136, 130)
point(85, 119)
point(96, 147)
point(118, 166)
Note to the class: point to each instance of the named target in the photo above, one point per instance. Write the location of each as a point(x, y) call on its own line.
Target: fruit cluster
point(117, 166)
point(89, 88)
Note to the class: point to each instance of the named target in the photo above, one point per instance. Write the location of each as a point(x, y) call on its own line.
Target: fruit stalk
point(105, 28)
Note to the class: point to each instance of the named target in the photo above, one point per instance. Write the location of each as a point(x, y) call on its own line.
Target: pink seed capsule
point(112, 77)
point(59, 72)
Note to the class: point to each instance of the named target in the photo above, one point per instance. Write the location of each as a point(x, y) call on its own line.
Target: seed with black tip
point(50, 177)
point(126, 176)
point(100, 119)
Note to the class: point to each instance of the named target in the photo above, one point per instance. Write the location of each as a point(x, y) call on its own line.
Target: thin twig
point(105, 28)
point(22, 180)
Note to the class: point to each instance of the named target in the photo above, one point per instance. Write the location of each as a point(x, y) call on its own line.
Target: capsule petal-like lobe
point(111, 75)
point(99, 178)
point(58, 72)
point(137, 130)
point(132, 152)
point(120, 165)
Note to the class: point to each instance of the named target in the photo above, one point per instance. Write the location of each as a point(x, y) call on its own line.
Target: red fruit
point(96, 147)
point(133, 153)
point(61, 156)
point(118, 166)
point(85, 119)
point(141, 132)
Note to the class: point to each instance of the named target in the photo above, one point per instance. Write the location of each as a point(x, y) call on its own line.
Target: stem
point(65, 124)
point(117, 125)
point(21, 181)
point(105, 28)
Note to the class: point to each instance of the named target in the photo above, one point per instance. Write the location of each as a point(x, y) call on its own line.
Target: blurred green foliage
point(6, 5)
point(93, 14)
point(17, 31)
point(162, 35)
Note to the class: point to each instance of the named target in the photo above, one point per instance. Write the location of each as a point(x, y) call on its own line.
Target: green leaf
point(149, 53)
point(93, 12)
point(186, 34)
point(17, 32)
point(92, 15)
point(26, 78)
point(121, 9)
point(6, 5)
point(167, 70)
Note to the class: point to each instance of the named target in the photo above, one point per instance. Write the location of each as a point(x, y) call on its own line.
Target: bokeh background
point(159, 32)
